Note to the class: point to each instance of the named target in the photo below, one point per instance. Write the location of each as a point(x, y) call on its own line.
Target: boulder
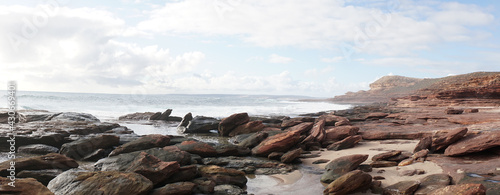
point(250, 127)
point(317, 132)
point(228, 124)
point(291, 155)
point(406, 162)
point(340, 132)
point(278, 143)
point(376, 115)
point(420, 154)
point(461, 189)
point(384, 135)
point(122, 161)
point(48, 161)
point(433, 182)
point(185, 173)
point(228, 190)
point(73, 116)
point(295, 121)
point(224, 175)
point(253, 140)
point(349, 183)
point(454, 111)
point(443, 139)
point(195, 147)
point(204, 185)
point(96, 155)
point(153, 168)
point(185, 122)
point(143, 143)
point(43, 176)
point(82, 147)
point(137, 116)
point(301, 128)
point(27, 186)
point(348, 142)
point(179, 188)
point(37, 149)
point(264, 166)
point(424, 143)
point(383, 163)
point(199, 124)
point(474, 143)
point(402, 188)
point(385, 155)
point(341, 166)
point(164, 116)
point(77, 182)
point(155, 116)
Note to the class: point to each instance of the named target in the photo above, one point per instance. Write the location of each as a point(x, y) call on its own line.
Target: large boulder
point(278, 143)
point(291, 155)
point(341, 166)
point(461, 189)
point(250, 127)
point(228, 124)
point(433, 182)
point(143, 143)
point(43, 176)
point(224, 175)
point(402, 188)
point(82, 147)
point(317, 132)
point(348, 142)
point(27, 186)
point(73, 116)
point(340, 132)
point(153, 168)
point(349, 183)
point(253, 140)
point(37, 149)
point(122, 162)
point(443, 139)
point(301, 128)
point(49, 161)
point(198, 124)
point(196, 147)
point(474, 143)
point(77, 182)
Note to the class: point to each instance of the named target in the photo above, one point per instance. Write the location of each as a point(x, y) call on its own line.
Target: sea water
point(111, 106)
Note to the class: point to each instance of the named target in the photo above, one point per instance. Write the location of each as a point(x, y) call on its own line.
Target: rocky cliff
point(482, 85)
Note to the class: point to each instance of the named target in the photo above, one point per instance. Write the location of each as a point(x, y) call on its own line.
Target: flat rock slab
point(473, 144)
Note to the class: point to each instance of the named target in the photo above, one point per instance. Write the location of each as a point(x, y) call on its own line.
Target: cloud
point(390, 29)
point(333, 59)
point(277, 59)
point(314, 72)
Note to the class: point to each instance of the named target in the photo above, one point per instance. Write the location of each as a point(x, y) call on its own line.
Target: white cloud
point(333, 59)
point(277, 59)
point(314, 72)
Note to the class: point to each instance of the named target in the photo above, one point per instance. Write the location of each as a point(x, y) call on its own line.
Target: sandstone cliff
point(482, 85)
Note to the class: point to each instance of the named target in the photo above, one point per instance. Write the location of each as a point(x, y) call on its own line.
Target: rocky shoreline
point(405, 146)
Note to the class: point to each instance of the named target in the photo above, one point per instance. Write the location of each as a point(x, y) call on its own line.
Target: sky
point(319, 48)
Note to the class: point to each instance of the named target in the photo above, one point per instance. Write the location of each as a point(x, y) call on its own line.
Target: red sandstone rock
point(153, 168)
point(474, 143)
point(461, 189)
point(301, 128)
point(250, 127)
point(196, 147)
point(376, 115)
point(443, 139)
point(349, 182)
point(27, 186)
point(277, 143)
point(341, 132)
point(228, 124)
point(317, 132)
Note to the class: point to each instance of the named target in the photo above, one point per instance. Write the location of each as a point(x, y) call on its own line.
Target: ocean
point(109, 107)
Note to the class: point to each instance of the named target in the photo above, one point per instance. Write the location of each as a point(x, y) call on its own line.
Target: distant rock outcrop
point(485, 85)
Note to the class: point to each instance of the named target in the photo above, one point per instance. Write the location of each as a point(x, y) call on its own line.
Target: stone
point(461, 189)
point(241, 163)
point(184, 173)
point(320, 161)
point(433, 182)
point(402, 188)
point(155, 116)
point(365, 168)
point(77, 182)
point(278, 143)
point(122, 161)
point(228, 124)
point(153, 168)
point(443, 139)
point(231, 150)
point(340, 132)
point(386, 155)
point(200, 124)
point(143, 143)
point(317, 133)
point(349, 183)
point(473, 144)
point(406, 162)
point(348, 142)
point(184, 122)
point(454, 111)
point(295, 121)
point(471, 110)
point(301, 128)
point(43, 176)
point(376, 115)
point(424, 143)
point(200, 148)
point(37, 149)
point(179, 188)
point(82, 147)
point(48, 161)
point(275, 155)
point(224, 175)
point(343, 123)
point(383, 163)
point(249, 127)
point(138, 116)
point(96, 155)
point(164, 116)
point(341, 166)
point(291, 155)
point(254, 139)
point(420, 154)
point(385, 135)
point(228, 190)
point(204, 185)
point(27, 186)
point(73, 116)
point(400, 157)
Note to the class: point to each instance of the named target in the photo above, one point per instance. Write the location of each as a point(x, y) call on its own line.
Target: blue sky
point(318, 48)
